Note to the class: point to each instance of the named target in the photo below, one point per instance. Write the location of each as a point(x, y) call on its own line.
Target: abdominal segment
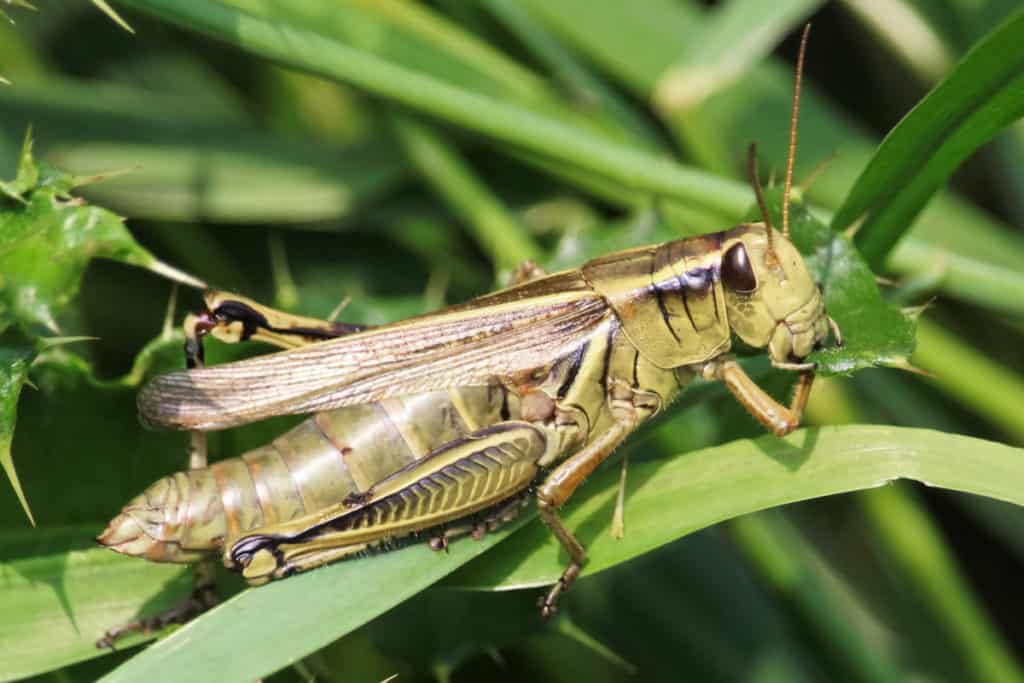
point(323, 460)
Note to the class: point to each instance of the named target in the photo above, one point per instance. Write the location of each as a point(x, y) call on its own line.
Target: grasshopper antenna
point(792, 132)
point(755, 180)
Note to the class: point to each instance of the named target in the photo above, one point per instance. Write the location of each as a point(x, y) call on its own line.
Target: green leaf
point(27, 174)
point(667, 499)
point(48, 237)
point(981, 96)
point(15, 357)
point(875, 333)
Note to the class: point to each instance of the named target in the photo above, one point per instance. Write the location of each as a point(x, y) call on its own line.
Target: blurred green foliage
point(407, 155)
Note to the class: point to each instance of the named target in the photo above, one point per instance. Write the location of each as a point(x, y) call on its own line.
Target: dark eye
point(736, 272)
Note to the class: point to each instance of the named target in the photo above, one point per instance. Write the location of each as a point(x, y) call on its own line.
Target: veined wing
point(498, 335)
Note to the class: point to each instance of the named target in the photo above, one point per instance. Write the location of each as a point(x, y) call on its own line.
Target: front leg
point(776, 417)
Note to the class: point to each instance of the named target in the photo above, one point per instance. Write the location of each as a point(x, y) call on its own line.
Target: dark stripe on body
point(714, 302)
point(606, 361)
point(574, 369)
point(683, 290)
point(664, 311)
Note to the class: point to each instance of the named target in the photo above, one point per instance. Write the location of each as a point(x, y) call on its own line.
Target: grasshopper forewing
point(441, 424)
point(500, 335)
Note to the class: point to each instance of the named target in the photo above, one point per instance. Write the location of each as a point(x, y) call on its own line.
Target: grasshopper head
point(771, 298)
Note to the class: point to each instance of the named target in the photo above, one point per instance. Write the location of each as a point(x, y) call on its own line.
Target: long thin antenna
point(755, 180)
point(792, 131)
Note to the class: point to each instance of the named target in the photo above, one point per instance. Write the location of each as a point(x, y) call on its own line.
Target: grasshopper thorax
point(680, 302)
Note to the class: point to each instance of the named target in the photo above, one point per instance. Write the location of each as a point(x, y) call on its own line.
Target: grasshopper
point(443, 424)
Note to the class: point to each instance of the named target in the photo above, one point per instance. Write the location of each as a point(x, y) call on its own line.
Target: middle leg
point(558, 487)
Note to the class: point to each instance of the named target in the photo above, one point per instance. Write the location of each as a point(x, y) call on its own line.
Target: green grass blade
point(438, 30)
point(974, 379)
point(914, 541)
point(292, 618)
point(669, 499)
point(583, 85)
point(503, 237)
point(413, 35)
point(641, 171)
point(738, 35)
point(58, 602)
point(635, 47)
point(981, 96)
point(901, 29)
point(417, 38)
point(969, 277)
point(790, 566)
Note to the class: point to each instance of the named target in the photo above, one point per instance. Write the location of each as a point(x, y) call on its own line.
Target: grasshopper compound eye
point(737, 274)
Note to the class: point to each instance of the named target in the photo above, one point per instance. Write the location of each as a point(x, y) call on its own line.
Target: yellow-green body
point(429, 450)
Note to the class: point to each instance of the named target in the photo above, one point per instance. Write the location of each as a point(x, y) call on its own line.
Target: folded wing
point(500, 335)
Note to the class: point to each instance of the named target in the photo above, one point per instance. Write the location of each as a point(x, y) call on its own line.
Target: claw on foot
point(186, 610)
point(549, 603)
